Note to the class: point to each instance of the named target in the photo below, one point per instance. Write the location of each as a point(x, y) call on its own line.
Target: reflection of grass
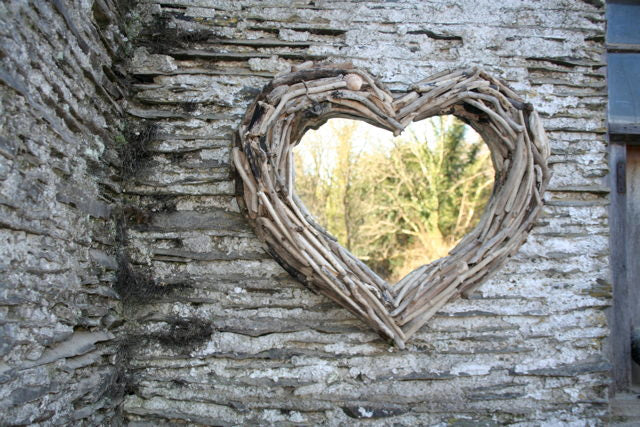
point(397, 203)
point(419, 255)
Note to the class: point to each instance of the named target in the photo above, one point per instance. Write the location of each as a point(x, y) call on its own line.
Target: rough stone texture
point(215, 332)
point(225, 336)
point(59, 109)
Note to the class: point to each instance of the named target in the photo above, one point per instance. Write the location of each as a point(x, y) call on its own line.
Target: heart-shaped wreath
point(306, 98)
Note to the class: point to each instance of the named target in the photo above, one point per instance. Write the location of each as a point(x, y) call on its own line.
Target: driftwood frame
point(309, 96)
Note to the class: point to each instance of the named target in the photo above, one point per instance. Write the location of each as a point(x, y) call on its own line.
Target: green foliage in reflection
point(400, 207)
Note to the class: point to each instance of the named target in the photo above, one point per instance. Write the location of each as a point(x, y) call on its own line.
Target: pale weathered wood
point(313, 93)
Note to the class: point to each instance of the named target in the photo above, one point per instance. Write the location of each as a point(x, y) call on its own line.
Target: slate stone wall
point(230, 338)
point(60, 113)
point(127, 267)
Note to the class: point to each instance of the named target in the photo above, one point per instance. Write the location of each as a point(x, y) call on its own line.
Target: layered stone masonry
point(216, 332)
point(224, 336)
point(59, 187)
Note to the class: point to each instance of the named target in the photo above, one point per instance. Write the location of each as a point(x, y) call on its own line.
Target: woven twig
point(305, 99)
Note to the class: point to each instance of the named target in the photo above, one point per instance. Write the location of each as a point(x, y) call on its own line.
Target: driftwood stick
point(494, 116)
point(276, 218)
point(373, 316)
point(454, 95)
point(302, 212)
point(332, 258)
point(276, 94)
point(426, 84)
point(507, 105)
point(250, 184)
point(539, 136)
point(426, 96)
point(357, 266)
point(362, 111)
point(315, 255)
point(517, 172)
point(347, 302)
point(284, 146)
point(259, 126)
point(447, 282)
point(288, 96)
point(382, 94)
point(404, 100)
point(420, 304)
point(331, 290)
point(417, 285)
point(492, 99)
point(298, 104)
point(315, 246)
point(355, 96)
point(501, 86)
point(282, 240)
point(428, 310)
point(408, 279)
point(508, 142)
point(447, 271)
point(378, 308)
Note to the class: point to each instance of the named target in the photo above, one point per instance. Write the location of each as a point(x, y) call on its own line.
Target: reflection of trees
point(403, 208)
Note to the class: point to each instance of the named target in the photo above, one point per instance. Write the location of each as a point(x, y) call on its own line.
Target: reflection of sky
point(323, 142)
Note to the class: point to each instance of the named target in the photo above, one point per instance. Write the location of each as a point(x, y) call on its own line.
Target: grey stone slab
point(279, 355)
point(192, 221)
point(78, 198)
point(78, 344)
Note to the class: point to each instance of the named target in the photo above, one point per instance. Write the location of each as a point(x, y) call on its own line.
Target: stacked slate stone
point(59, 190)
point(527, 346)
point(128, 268)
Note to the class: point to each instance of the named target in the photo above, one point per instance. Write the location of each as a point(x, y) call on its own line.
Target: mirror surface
point(395, 202)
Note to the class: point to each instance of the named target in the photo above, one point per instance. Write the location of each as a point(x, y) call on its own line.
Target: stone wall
point(127, 268)
point(220, 334)
point(59, 182)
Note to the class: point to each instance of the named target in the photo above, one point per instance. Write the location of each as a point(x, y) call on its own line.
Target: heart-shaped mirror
point(395, 202)
point(307, 98)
